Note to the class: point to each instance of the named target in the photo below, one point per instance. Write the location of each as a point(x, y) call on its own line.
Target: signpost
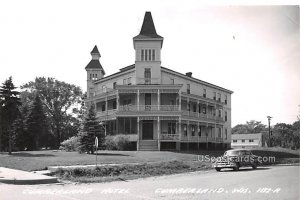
point(96, 145)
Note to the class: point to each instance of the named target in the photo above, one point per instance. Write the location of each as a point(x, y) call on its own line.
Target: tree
point(9, 103)
point(296, 134)
point(58, 99)
point(282, 135)
point(250, 127)
point(36, 124)
point(90, 130)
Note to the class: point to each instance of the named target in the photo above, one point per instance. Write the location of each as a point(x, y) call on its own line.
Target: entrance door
point(148, 101)
point(147, 130)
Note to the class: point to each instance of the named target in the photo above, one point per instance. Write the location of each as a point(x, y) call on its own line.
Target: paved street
point(277, 182)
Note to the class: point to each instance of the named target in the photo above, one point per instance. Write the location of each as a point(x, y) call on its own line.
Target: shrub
point(70, 144)
point(117, 142)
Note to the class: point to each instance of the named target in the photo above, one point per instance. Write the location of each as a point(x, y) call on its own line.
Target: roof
point(124, 69)
point(95, 64)
point(95, 50)
point(198, 80)
point(246, 136)
point(148, 28)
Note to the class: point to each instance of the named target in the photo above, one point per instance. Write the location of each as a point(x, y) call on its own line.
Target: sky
point(252, 50)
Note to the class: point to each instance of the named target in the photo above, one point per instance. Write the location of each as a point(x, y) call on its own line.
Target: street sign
point(96, 142)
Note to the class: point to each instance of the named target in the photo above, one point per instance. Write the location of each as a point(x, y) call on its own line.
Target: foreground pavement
point(276, 182)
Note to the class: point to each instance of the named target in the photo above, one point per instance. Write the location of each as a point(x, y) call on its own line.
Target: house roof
point(198, 80)
point(148, 28)
point(246, 136)
point(94, 64)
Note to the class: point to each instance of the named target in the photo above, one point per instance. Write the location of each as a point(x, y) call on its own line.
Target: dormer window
point(153, 54)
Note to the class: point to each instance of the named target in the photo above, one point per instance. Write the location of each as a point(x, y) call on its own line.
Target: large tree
point(250, 127)
point(58, 99)
point(9, 103)
point(91, 128)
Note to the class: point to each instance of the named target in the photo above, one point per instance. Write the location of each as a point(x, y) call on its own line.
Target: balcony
point(147, 81)
point(167, 108)
point(169, 136)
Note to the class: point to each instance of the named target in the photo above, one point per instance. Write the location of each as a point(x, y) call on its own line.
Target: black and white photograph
point(148, 100)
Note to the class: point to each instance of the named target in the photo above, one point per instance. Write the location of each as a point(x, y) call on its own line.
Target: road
point(276, 182)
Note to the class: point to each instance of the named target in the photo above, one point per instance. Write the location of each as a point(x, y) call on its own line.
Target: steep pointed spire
point(95, 63)
point(148, 28)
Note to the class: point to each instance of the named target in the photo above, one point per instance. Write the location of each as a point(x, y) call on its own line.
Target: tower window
point(147, 75)
point(146, 55)
point(142, 55)
point(149, 54)
point(153, 54)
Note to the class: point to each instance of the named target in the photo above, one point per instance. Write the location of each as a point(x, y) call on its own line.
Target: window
point(103, 107)
point(171, 128)
point(103, 88)
point(199, 108)
point(142, 55)
point(195, 108)
point(225, 99)
point(153, 54)
point(149, 54)
point(124, 81)
point(129, 81)
point(220, 133)
point(193, 130)
point(114, 104)
point(225, 133)
point(220, 113)
point(172, 81)
point(219, 97)
point(199, 131)
point(204, 110)
point(188, 106)
point(234, 141)
point(188, 88)
point(114, 85)
point(225, 116)
point(215, 95)
point(147, 75)
point(185, 130)
point(251, 140)
point(243, 141)
point(146, 55)
point(90, 76)
point(204, 93)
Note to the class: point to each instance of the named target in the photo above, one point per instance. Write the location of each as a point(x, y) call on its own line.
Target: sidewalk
point(14, 176)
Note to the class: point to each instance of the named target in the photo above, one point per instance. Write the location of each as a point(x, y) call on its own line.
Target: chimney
point(189, 74)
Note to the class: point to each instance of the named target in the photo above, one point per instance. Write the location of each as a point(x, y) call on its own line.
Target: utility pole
point(269, 120)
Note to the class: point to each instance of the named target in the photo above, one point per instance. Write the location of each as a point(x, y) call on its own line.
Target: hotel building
point(156, 107)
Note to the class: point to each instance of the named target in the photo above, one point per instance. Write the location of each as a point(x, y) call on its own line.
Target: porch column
point(187, 104)
point(187, 134)
point(206, 110)
point(138, 134)
point(215, 112)
point(206, 133)
point(179, 132)
point(138, 100)
point(118, 100)
point(158, 132)
point(158, 99)
point(179, 95)
point(106, 104)
point(198, 127)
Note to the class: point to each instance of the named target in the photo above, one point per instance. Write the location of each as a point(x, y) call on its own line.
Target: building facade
point(247, 140)
point(156, 107)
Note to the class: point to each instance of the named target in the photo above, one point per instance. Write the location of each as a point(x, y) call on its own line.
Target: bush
point(117, 142)
point(70, 144)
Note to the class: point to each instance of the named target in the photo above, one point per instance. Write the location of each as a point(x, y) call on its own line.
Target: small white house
point(247, 140)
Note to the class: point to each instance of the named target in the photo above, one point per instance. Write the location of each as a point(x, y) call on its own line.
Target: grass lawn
point(39, 160)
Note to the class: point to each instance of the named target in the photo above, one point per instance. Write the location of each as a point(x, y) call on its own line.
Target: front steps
point(148, 145)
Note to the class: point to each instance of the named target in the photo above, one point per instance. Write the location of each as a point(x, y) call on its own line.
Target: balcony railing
point(169, 137)
point(148, 108)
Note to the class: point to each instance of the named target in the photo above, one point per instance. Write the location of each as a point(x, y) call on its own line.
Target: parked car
point(235, 159)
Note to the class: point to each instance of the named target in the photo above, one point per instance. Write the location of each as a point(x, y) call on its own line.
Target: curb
point(29, 181)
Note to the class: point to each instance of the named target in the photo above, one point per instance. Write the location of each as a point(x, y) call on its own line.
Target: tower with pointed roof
point(147, 47)
point(94, 71)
